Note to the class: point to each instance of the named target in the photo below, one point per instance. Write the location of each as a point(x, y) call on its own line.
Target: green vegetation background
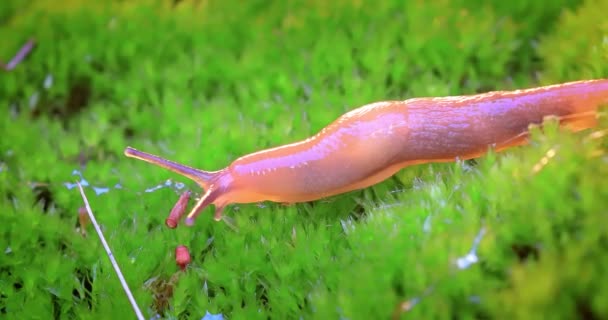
point(203, 82)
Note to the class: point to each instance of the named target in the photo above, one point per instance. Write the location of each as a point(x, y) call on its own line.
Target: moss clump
point(205, 82)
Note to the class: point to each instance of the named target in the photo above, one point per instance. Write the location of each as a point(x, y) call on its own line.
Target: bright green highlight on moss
point(204, 82)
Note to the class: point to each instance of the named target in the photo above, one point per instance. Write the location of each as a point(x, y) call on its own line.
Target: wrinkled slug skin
point(369, 144)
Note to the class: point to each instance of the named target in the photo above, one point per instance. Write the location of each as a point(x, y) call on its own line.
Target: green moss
point(579, 48)
point(205, 82)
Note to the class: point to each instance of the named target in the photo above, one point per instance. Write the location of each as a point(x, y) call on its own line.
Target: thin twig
point(20, 55)
point(125, 286)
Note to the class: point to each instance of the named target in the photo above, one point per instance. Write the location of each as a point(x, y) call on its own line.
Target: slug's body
point(371, 143)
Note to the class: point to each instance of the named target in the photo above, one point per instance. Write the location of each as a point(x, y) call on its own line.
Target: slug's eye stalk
point(203, 178)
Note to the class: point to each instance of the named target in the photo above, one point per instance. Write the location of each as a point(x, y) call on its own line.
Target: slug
point(368, 145)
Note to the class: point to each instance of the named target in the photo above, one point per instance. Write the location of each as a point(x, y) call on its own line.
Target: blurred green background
point(204, 82)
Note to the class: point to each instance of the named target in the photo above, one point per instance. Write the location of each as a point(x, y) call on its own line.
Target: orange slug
point(368, 145)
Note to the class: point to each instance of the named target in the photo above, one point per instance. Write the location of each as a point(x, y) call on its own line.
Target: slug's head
point(217, 184)
point(217, 193)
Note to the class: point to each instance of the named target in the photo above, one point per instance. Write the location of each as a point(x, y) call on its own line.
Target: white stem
point(125, 286)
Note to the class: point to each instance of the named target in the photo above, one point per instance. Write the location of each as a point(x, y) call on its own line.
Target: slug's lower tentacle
point(207, 199)
point(219, 210)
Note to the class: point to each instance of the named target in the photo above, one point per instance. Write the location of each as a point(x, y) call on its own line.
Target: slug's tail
point(580, 121)
point(203, 178)
point(585, 98)
point(582, 101)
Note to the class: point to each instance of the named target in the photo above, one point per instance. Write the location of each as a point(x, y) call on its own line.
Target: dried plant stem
point(125, 286)
point(20, 55)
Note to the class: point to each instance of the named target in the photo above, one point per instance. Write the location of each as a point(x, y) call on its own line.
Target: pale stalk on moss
point(121, 278)
point(20, 55)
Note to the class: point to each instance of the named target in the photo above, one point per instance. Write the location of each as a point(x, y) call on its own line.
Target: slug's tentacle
point(203, 178)
point(208, 198)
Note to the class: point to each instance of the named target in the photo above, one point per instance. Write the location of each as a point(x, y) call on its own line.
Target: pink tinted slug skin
point(369, 144)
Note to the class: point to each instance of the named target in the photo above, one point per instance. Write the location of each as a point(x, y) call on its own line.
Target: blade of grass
point(123, 282)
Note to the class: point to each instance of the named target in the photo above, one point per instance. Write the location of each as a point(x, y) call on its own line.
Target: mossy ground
point(203, 82)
